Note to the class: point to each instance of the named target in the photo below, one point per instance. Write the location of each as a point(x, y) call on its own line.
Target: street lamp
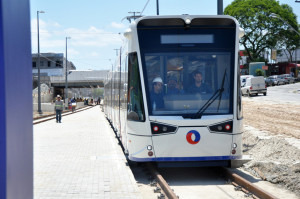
point(38, 62)
point(278, 17)
point(66, 84)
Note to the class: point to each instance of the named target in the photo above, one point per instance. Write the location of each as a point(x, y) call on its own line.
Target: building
point(284, 56)
point(51, 64)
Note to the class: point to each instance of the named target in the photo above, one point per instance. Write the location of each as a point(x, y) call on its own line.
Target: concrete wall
point(45, 98)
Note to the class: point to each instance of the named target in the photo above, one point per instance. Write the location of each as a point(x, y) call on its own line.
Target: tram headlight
point(155, 128)
point(222, 127)
point(227, 127)
point(158, 128)
point(188, 21)
point(149, 147)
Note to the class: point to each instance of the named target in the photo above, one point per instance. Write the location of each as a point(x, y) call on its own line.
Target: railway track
point(249, 189)
point(224, 175)
point(45, 118)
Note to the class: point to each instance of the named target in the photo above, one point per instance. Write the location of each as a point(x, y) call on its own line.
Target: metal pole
point(220, 7)
point(66, 83)
point(120, 76)
point(112, 79)
point(278, 17)
point(157, 7)
point(38, 65)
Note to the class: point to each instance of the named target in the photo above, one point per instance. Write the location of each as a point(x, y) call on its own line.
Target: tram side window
point(239, 96)
point(135, 106)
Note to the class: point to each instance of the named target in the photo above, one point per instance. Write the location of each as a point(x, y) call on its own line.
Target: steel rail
point(162, 182)
point(250, 187)
point(51, 117)
point(44, 116)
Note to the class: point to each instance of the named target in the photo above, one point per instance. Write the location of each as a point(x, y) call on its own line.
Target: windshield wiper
point(217, 94)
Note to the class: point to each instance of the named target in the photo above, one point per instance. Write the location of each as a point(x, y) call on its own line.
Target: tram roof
point(177, 20)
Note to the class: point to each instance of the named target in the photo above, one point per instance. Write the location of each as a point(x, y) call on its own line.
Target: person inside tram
point(173, 87)
point(198, 86)
point(156, 95)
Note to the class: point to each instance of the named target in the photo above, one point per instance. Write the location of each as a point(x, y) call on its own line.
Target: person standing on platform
point(59, 106)
point(73, 101)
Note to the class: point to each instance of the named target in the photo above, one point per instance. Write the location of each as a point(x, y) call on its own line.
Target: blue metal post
point(16, 139)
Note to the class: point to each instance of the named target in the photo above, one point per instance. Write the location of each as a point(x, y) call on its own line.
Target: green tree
point(290, 40)
point(261, 30)
point(259, 72)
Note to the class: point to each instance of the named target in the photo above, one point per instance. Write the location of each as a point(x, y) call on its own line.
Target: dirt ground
point(278, 119)
point(272, 138)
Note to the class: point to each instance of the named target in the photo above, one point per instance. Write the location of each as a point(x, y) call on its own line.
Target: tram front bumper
point(236, 163)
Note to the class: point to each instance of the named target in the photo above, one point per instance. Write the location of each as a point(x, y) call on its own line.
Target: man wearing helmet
point(156, 94)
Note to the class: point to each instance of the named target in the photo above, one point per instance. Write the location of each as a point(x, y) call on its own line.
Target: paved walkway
point(80, 158)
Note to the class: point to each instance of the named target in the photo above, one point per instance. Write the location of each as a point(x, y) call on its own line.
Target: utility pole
point(220, 7)
point(116, 49)
point(157, 7)
point(66, 83)
point(38, 64)
point(134, 16)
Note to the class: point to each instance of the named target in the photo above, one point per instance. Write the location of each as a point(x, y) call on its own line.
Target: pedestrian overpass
point(80, 79)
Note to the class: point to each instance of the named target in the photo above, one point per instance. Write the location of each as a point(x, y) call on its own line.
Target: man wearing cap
point(156, 94)
point(59, 105)
point(198, 86)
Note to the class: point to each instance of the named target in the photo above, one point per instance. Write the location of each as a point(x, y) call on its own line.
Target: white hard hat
point(157, 79)
point(58, 96)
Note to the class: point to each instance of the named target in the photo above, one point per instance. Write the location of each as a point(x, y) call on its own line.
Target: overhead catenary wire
point(145, 7)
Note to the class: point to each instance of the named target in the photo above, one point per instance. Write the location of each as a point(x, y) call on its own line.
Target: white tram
point(173, 95)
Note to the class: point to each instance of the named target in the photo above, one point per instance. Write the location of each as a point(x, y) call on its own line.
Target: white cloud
point(55, 24)
point(92, 45)
point(94, 54)
point(117, 25)
point(72, 52)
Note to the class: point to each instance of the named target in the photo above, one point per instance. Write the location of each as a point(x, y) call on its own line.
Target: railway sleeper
point(153, 183)
point(157, 190)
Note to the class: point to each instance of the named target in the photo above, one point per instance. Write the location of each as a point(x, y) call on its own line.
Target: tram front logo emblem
point(196, 137)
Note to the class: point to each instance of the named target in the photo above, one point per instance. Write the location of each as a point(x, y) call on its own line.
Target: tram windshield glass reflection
point(176, 73)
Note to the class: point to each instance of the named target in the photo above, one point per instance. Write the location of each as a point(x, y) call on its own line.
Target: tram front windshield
point(183, 69)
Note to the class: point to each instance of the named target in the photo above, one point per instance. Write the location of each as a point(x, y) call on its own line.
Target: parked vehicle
point(274, 80)
point(254, 85)
point(288, 78)
point(283, 79)
point(243, 79)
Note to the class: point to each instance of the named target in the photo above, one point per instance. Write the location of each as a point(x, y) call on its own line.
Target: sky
point(96, 26)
